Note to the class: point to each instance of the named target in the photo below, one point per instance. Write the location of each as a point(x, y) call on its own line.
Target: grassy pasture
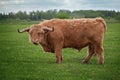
point(20, 60)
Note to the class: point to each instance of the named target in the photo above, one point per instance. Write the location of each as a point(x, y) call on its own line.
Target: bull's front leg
point(58, 45)
point(58, 53)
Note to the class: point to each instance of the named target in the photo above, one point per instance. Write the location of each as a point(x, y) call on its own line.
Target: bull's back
point(79, 33)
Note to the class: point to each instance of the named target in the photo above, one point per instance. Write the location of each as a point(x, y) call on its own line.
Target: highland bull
point(56, 34)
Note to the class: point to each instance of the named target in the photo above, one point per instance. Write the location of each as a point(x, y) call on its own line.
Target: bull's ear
point(46, 29)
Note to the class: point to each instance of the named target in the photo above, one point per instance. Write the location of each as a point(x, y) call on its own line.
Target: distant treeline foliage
point(62, 14)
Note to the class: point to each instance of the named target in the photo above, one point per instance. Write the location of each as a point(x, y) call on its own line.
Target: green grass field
point(20, 60)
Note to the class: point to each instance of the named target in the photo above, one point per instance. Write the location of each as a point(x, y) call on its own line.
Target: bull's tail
point(103, 22)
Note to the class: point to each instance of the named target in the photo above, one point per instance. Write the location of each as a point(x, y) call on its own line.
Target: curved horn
point(24, 30)
point(48, 28)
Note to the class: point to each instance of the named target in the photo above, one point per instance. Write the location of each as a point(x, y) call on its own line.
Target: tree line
point(62, 14)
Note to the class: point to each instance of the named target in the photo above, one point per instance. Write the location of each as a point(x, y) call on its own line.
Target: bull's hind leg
point(91, 51)
point(100, 52)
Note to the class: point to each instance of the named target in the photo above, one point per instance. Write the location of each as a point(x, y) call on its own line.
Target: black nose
point(35, 43)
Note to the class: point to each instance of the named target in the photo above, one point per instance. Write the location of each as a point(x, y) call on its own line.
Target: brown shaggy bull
point(56, 34)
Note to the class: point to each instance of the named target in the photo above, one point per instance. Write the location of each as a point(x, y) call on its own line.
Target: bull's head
point(37, 33)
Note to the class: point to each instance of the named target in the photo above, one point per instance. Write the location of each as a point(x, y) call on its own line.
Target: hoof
point(58, 62)
point(84, 62)
point(101, 62)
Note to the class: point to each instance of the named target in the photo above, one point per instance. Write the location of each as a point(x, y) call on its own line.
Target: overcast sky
point(30, 5)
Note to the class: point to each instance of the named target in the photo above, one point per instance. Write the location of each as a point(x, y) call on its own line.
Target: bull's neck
point(44, 41)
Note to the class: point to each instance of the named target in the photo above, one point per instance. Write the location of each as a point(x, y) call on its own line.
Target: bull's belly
point(78, 46)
